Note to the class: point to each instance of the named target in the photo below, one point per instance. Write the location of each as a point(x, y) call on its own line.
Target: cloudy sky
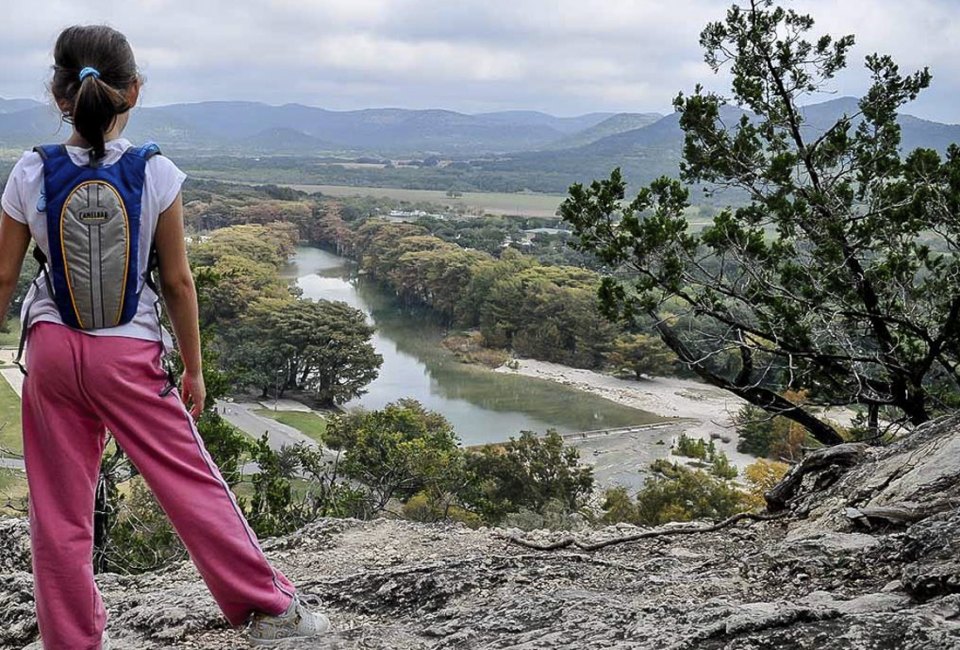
point(561, 56)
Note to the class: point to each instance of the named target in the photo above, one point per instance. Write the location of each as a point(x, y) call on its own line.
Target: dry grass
point(468, 348)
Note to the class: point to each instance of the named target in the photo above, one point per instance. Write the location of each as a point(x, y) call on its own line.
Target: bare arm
point(14, 239)
point(180, 297)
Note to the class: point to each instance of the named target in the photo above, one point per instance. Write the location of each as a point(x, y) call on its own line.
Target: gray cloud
point(561, 56)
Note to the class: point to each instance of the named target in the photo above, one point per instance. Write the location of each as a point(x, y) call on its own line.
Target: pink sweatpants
point(77, 386)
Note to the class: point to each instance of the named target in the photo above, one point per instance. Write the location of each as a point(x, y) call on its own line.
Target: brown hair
point(95, 101)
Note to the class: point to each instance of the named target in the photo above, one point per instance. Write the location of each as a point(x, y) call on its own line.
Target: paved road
point(15, 378)
point(12, 463)
point(239, 414)
point(279, 435)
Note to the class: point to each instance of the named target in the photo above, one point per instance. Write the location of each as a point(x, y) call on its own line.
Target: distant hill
point(282, 140)
point(16, 105)
point(29, 127)
point(655, 149)
point(225, 126)
point(535, 118)
point(523, 149)
point(383, 131)
point(619, 123)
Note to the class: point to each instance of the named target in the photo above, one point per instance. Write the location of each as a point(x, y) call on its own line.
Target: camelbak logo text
point(93, 215)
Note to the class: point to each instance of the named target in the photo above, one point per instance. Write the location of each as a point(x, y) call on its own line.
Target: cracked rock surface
point(823, 578)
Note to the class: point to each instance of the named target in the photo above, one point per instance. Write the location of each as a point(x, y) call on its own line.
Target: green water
point(483, 406)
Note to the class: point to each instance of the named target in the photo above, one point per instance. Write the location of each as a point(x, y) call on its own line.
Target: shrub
point(677, 493)
point(762, 476)
point(527, 472)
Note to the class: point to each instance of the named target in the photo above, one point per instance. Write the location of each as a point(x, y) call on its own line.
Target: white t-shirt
point(21, 197)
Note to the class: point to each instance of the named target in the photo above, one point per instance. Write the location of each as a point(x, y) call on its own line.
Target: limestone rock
point(821, 579)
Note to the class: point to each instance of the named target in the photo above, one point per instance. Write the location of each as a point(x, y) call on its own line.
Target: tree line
point(266, 336)
point(839, 277)
point(537, 310)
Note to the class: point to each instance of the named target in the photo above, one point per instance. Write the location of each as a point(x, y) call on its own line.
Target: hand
point(193, 392)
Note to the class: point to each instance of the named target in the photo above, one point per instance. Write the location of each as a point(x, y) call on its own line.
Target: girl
point(82, 380)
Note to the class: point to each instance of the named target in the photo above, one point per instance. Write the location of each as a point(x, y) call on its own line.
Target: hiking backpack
point(93, 235)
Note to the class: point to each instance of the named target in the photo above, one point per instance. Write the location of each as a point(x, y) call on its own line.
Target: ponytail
point(93, 71)
point(95, 107)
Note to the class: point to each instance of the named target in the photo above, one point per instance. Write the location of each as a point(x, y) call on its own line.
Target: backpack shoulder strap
point(50, 151)
point(41, 269)
point(147, 151)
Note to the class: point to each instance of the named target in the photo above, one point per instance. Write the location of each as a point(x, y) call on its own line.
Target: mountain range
point(250, 127)
point(562, 149)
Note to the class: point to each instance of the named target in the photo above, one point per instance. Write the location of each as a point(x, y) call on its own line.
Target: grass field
point(12, 337)
point(309, 424)
point(505, 203)
point(13, 491)
point(10, 437)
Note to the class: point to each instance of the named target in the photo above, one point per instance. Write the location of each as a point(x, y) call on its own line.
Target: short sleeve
point(12, 200)
point(166, 179)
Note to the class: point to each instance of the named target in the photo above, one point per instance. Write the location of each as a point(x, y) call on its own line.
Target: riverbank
point(701, 411)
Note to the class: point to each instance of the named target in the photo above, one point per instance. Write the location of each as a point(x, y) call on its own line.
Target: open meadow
point(501, 203)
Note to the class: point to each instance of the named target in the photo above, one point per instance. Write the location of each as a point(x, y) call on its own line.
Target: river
point(483, 406)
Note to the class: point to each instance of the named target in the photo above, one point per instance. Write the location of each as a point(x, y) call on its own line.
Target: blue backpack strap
point(147, 151)
point(48, 151)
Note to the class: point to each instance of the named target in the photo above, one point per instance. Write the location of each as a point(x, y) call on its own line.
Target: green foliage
point(721, 467)
point(425, 507)
point(693, 447)
point(766, 436)
point(540, 311)
point(237, 265)
point(267, 338)
point(227, 445)
point(270, 245)
point(527, 473)
point(318, 346)
point(840, 274)
point(399, 451)
point(295, 486)
point(619, 507)
point(642, 354)
point(142, 539)
point(707, 452)
point(677, 493)
point(269, 509)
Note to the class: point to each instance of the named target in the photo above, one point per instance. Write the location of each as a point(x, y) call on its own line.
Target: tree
point(294, 486)
point(771, 436)
point(318, 346)
point(618, 506)
point(642, 354)
point(840, 273)
point(527, 472)
point(272, 244)
point(399, 451)
point(677, 493)
point(231, 284)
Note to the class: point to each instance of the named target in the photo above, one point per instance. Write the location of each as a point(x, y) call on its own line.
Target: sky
point(563, 57)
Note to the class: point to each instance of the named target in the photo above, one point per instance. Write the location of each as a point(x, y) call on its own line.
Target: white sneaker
point(38, 644)
point(296, 623)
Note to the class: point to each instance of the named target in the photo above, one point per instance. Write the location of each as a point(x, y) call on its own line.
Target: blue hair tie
point(88, 72)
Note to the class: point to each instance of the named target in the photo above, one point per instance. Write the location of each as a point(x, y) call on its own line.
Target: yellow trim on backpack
point(63, 249)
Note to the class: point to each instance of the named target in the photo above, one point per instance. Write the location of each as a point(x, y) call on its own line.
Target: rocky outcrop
point(846, 570)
